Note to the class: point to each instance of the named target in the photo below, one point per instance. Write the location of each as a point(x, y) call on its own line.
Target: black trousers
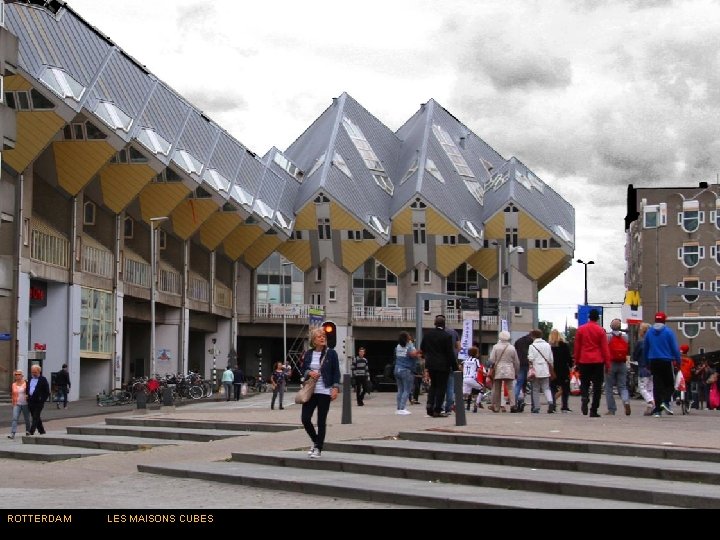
point(35, 411)
point(663, 381)
point(436, 393)
point(564, 385)
point(360, 388)
point(322, 403)
point(595, 374)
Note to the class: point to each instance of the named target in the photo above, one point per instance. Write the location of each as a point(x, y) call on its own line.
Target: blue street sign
point(5, 336)
point(584, 311)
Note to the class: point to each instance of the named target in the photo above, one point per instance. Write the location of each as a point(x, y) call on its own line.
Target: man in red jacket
point(591, 354)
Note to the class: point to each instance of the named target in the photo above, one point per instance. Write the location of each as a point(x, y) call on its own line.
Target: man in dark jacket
point(38, 392)
point(439, 351)
point(63, 385)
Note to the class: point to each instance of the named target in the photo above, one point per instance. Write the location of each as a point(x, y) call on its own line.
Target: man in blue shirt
point(661, 349)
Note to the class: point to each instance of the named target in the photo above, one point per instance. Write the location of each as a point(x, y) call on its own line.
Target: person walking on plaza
point(38, 392)
point(227, 380)
point(470, 367)
point(360, 373)
point(521, 347)
point(322, 364)
point(439, 351)
point(450, 392)
point(238, 380)
point(616, 369)
point(562, 362)
point(277, 378)
point(63, 385)
point(540, 358)
point(661, 350)
point(505, 366)
point(405, 362)
point(645, 381)
point(591, 354)
point(19, 403)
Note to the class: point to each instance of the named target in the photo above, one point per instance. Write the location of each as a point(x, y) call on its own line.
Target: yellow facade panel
point(78, 162)
point(393, 258)
point(529, 228)
point(436, 223)
point(495, 228)
point(217, 227)
point(402, 223)
point(297, 251)
point(485, 261)
point(190, 214)
point(355, 253)
point(161, 199)
point(122, 183)
point(450, 257)
point(35, 130)
point(553, 272)
point(240, 239)
point(542, 260)
point(343, 220)
point(263, 247)
point(306, 219)
point(15, 83)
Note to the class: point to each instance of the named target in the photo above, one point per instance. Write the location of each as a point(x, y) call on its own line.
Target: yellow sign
point(632, 299)
point(632, 309)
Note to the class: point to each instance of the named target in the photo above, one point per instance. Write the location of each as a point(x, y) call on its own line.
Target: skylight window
point(241, 196)
point(432, 169)
point(283, 221)
point(536, 182)
point(62, 83)
point(384, 182)
point(363, 146)
point(339, 162)
point(413, 169)
point(153, 142)
point(452, 151)
point(376, 224)
point(287, 165)
point(520, 177)
point(263, 209)
point(216, 180)
point(497, 181)
point(563, 234)
point(318, 164)
point(113, 116)
point(472, 230)
point(475, 189)
point(187, 162)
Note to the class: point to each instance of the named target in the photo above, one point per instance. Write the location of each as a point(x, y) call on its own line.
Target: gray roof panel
point(165, 113)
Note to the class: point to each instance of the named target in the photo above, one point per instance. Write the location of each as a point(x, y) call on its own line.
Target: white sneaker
point(315, 453)
point(312, 449)
point(403, 412)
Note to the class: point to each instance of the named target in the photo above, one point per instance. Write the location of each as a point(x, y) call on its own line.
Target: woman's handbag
point(306, 391)
point(308, 386)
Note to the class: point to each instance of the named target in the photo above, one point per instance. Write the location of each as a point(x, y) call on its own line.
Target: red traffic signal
point(330, 333)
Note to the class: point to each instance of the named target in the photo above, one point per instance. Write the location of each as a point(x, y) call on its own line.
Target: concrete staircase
point(5, 397)
point(126, 434)
point(447, 470)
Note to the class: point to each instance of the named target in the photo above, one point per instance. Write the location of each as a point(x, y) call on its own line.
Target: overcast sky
point(591, 95)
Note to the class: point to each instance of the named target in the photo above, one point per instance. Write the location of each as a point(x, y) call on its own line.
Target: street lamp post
point(586, 265)
point(282, 294)
point(153, 285)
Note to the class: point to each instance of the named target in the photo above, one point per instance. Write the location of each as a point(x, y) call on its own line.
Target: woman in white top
point(540, 357)
point(505, 365)
point(322, 364)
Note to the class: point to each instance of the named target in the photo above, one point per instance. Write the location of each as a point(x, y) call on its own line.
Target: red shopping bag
point(574, 382)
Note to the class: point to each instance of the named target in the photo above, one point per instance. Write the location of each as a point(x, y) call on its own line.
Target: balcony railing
point(97, 261)
point(169, 282)
point(199, 289)
point(136, 273)
point(50, 249)
point(223, 296)
point(290, 311)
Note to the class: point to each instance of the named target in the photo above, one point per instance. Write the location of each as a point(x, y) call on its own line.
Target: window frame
point(86, 206)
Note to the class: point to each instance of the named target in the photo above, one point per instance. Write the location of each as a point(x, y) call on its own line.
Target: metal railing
point(97, 261)
point(199, 289)
point(223, 296)
point(290, 311)
point(169, 282)
point(49, 249)
point(136, 273)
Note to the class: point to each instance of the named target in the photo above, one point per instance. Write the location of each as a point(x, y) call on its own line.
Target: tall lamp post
point(586, 265)
point(282, 295)
point(153, 285)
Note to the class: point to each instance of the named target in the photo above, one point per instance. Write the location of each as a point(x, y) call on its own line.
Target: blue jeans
point(616, 376)
point(62, 395)
point(520, 381)
point(16, 416)
point(450, 393)
point(405, 379)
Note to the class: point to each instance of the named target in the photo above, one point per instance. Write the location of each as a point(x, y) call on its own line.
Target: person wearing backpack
point(616, 368)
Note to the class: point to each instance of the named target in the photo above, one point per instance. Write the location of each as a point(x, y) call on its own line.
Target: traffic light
point(330, 333)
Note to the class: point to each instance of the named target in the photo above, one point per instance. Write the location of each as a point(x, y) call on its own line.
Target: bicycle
point(118, 396)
